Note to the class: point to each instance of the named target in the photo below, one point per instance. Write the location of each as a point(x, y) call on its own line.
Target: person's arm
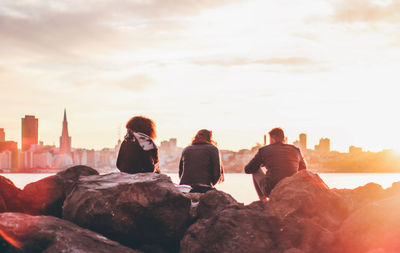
point(120, 158)
point(254, 164)
point(181, 166)
point(302, 162)
point(150, 160)
point(216, 166)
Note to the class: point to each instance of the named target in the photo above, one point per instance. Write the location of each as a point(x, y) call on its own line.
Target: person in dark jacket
point(279, 159)
point(138, 152)
point(200, 165)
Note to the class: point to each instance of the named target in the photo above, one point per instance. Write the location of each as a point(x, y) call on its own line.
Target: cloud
point(350, 11)
point(135, 82)
point(72, 29)
point(290, 61)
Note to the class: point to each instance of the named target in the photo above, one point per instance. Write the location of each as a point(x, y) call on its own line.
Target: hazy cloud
point(73, 28)
point(367, 11)
point(269, 61)
point(135, 82)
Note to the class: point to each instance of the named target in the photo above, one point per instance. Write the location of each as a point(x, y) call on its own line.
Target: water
point(240, 186)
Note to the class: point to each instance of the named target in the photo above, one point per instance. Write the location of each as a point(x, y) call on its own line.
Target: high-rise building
point(30, 130)
point(65, 139)
point(324, 146)
point(303, 141)
point(2, 135)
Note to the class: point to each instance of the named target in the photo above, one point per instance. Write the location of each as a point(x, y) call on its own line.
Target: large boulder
point(24, 233)
point(305, 195)
point(46, 196)
point(213, 202)
point(374, 227)
point(309, 212)
point(9, 200)
point(134, 209)
point(355, 198)
point(234, 229)
point(301, 216)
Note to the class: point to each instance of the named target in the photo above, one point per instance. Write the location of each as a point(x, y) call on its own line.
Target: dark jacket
point(281, 160)
point(200, 164)
point(133, 159)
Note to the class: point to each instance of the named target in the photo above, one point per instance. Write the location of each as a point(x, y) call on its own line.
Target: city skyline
point(65, 140)
point(239, 68)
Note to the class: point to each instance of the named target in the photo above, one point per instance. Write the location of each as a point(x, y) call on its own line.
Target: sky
point(327, 68)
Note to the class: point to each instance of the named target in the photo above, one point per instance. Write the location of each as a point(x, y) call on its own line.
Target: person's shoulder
point(292, 147)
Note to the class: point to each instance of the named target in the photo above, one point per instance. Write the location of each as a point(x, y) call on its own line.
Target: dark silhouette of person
point(138, 152)
point(200, 164)
point(279, 159)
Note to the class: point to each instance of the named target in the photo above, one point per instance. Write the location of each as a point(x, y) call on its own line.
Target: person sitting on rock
point(200, 164)
point(279, 159)
point(138, 152)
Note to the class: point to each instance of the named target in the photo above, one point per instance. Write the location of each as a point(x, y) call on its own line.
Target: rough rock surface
point(302, 215)
point(232, 230)
point(309, 212)
point(9, 200)
point(213, 202)
point(138, 209)
point(24, 233)
point(356, 198)
point(46, 196)
point(374, 227)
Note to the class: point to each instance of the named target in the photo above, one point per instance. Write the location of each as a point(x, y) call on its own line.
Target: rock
point(309, 212)
point(24, 233)
point(9, 195)
point(305, 195)
point(134, 209)
point(195, 199)
point(46, 196)
point(301, 216)
point(374, 227)
point(213, 202)
point(72, 174)
point(393, 190)
point(361, 195)
point(43, 197)
point(235, 229)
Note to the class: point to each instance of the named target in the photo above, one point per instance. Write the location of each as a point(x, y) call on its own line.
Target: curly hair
point(143, 125)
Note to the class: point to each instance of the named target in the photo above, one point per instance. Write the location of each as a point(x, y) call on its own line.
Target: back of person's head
point(277, 134)
point(143, 125)
point(203, 136)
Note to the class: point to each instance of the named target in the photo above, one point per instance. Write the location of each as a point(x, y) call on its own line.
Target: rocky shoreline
point(78, 210)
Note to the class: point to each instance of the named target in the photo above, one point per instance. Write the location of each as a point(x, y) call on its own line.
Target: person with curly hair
point(138, 152)
point(200, 165)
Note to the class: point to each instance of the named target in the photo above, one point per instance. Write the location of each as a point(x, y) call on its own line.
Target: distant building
point(2, 135)
point(355, 150)
point(65, 139)
point(30, 130)
point(324, 146)
point(303, 141)
point(12, 147)
point(5, 160)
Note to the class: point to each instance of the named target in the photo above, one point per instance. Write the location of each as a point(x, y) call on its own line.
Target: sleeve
point(254, 164)
point(216, 166)
point(302, 162)
point(150, 161)
point(120, 157)
point(181, 166)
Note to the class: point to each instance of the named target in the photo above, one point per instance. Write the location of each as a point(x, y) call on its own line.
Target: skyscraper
point(2, 135)
point(30, 130)
point(303, 141)
point(65, 139)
